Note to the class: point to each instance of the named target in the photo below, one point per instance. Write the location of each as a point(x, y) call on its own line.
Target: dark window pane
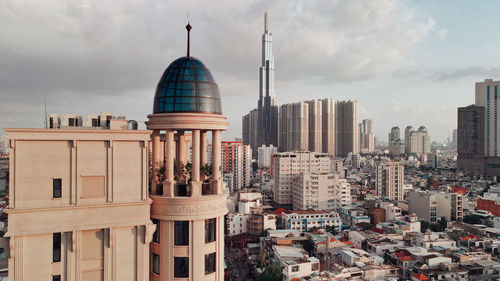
point(210, 230)
point(181, 267)
point(56, 277)
point(210, 263)
point(181, 233)
point(56, 188)
point(156, 264)
point(56, 247)
point(156, 235)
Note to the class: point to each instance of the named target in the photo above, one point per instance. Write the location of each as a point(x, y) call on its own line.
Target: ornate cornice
point(188, 208)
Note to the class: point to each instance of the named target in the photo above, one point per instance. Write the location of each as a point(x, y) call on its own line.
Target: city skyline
point(63, 52)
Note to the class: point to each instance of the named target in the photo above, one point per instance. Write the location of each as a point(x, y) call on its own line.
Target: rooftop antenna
point(188, 28)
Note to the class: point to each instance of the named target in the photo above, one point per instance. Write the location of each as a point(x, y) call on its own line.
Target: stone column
point(216, 153)
point(180, 152)
point(155, 161)
point(203, 148)
point(168, 187)
point(195, 165)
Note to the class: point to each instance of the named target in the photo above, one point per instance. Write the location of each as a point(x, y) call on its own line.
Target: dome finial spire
point(188, 28)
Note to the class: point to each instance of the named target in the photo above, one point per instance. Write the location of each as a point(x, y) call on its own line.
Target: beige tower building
point(390, 180)
point(288, 165)
point(308, 125)
point(79, 206)
point(189, 202)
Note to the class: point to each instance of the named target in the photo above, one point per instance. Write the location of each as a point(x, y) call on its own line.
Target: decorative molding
point(194, 207)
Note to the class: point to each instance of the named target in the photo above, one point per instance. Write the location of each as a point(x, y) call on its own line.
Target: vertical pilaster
point(109, 172)
point(168, 189)
point(73, 173)
point(195, 167)
point(12, 174)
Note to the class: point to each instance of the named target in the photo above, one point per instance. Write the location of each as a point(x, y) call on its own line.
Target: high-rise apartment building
point(346, 128)
point(294, 127)
point(470, 140)
point(237, 161)
point(267, 108)
point(79, 206)
point(307, 125)
point(265, 155)
point(288, 165)
point(390, 180)
point(367, 139)
point(396, 145)
point(408, 131)
point(189, 202)
point(418, 142)
point(320, 192)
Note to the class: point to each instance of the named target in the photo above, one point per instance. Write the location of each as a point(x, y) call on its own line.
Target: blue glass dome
point(187, 86)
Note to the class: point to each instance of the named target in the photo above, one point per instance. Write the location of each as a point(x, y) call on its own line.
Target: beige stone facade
point(79, 205)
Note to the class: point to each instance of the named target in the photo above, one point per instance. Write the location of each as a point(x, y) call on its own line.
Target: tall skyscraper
point(308, 125)
point(487, 96)
point(346, 128)
point(367, 139)
point(419, 141)
point(396, 146)
point(408, 131)
point(268, 108)
point(266, 131)
point(470, 140)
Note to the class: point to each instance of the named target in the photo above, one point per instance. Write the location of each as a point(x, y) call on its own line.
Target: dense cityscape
point(305, 192)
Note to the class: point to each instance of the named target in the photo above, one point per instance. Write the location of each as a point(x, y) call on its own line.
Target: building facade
point(390, 180)
point(305, 220)
point(320, 192)
point(470, 140)
point(288, 165)
point(434, 205)
point(419, 141)
point(346, 128)
point(367, 139)
point(308, 125)
point(265, 155)
point(237, 161)
point(79, 206)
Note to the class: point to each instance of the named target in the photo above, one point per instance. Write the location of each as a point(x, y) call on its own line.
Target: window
point(71, 122)
point(56, 247)
point(210, 230)
point(210, 263)
point(56, 188)
point(156, 235)
point(181, 267)
point(156, 264)
point(181, 233)
point(56, 277)
point(94, 122)
point(295, 268)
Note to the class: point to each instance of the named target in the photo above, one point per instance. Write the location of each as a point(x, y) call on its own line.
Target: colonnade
point(175, 154)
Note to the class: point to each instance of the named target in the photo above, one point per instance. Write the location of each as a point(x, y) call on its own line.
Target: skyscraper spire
point(266, 27)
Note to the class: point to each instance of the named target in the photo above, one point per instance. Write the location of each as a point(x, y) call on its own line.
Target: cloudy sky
point(406, 62)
